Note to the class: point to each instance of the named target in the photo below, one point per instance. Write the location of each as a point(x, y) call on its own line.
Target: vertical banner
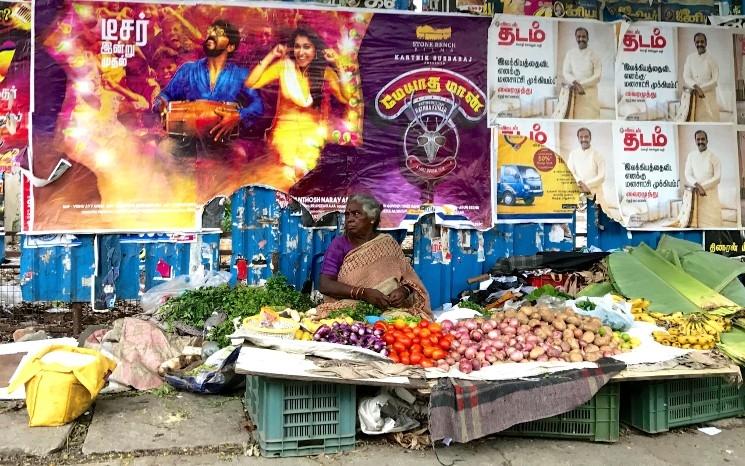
point(15, 78)
point(152, 110)
point(547, 68)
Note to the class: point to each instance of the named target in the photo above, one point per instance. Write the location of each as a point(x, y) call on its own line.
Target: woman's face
point(304, 51)
point(355, 220)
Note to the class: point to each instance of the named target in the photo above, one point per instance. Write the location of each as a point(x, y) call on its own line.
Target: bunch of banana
point(694, 331)
point(674, 338)
point(639, 309)
point(301, 334)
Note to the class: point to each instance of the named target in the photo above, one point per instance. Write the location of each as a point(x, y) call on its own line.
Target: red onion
point(485, 364)
point(509, 331)
point(499, 345)
point(447, 325)
point(476, 365)
point(493, 334)
point(519, 346)
point(503, 325)
point(442, 365)
point(487, 327)
point(471, 324)
point(514, 322)
point(542, 358)
point(457, 357)
point(470, 353)
point(528, 346)
point(532, 339)
point(556, 335)
point(455, 344)
point(488, 351)
point(509, 350)
point(493, 358)
point(501, 355)
point(462, 349)
point(477, 335)
point(517, 356)
point(450, 361)
point(480, 356)
point(493, 323)
point(520, 339)
point(465, 367)
point(512, 342)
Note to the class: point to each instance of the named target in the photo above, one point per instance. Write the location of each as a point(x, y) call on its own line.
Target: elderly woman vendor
point(365, 265)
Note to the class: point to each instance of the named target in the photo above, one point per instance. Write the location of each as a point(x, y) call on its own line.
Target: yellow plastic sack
point(61, 383)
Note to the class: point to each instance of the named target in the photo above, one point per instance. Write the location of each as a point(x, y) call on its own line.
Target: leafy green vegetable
point(358, 312)
point(468, 304)
point(194, 307)
point(546, 290)
point(585, 305)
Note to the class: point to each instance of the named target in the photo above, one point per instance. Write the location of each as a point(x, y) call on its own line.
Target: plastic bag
point(61, 383)
point(215, 375)
point(156, 296)
point(615, 314)
point(383, 414)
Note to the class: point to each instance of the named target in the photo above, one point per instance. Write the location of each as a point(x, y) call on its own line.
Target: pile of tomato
point(421, 344)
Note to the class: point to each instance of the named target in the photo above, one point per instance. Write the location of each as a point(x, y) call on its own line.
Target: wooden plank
point(281, 365)
point(631, 375)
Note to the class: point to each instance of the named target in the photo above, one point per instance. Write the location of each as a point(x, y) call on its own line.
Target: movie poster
point(671, 176)
point(675, 73)
point(153, 110)
point(547, 68)
point(15, 78)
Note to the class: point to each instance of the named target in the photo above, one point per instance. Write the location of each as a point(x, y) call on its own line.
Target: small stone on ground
point(19, 439)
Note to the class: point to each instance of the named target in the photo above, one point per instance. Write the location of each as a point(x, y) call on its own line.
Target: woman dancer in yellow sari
point(299, 132)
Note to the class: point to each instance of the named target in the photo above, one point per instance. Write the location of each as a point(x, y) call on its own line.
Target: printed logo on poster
point(536, 133)
point(635, 41)
point(431, 98)
point(119, 37)
point(634, 139)
point(510, 34)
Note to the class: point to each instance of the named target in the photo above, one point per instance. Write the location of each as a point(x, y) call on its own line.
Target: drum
point(196, 118)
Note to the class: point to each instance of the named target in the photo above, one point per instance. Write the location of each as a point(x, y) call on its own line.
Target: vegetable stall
point(577, 364)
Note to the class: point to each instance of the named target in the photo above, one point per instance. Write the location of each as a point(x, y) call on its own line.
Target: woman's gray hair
point(370, 206)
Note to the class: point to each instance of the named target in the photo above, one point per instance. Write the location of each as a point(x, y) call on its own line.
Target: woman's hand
point(376, 298)
point(278, 52)
point(332, 57)
point(399, 296)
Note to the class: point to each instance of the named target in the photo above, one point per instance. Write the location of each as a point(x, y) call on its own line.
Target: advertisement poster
point(671, 73)
point(726, 243)
point(532, 182)
point(15, 79)
point(675, 176)
point(159, 108)
point(549, 68)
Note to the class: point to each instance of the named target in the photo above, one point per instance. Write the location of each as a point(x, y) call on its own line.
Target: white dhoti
point(704, 168)
point(587, 105)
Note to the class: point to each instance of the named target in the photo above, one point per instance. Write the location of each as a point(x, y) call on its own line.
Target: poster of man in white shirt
point(711, 173)
point(707, 76)
point(586, 148)
point(586, 72)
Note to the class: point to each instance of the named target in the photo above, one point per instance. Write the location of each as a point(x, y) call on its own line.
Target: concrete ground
point(158, 429)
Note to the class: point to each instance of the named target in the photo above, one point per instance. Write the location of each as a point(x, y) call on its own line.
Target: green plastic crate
point(597, 420)
point(301, 418)
point(658, 406)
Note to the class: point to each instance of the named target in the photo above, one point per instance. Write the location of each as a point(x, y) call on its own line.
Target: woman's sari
point(380, 264)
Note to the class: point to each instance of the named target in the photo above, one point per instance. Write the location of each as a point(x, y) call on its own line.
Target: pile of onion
point(529, 334)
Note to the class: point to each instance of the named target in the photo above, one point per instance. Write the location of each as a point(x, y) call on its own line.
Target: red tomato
point(380, 325)
point(424, 323)
point(444, 343)
point(416, 348)
point(438, 354)
point(399, 324)
point(405, 360)
point(435, 327)
point(399, 347)
point(416, 358)
point(428, 351)
point(434, 340)
point(398, 334)
point(389, 339)
point(427, 363)
point(415, 331)
point(415, 340)
point(406, 341)
point(424, 333)
point(394, 357)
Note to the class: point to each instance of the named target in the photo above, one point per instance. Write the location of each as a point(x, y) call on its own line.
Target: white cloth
point(704, 168)
point(588, 166)
point(703, 71)
point(584, 67)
